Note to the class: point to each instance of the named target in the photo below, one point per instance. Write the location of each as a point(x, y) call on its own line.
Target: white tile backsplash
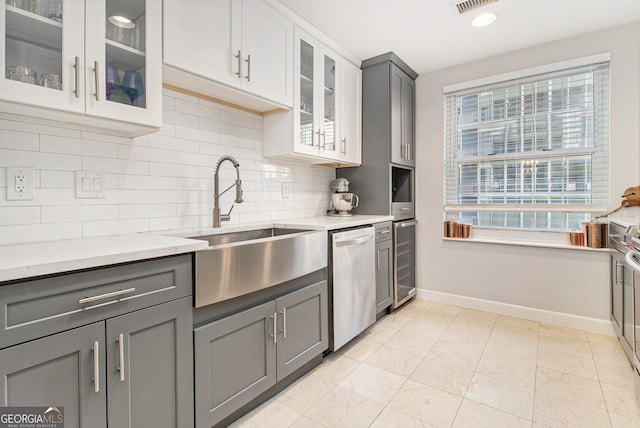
point(162, 181)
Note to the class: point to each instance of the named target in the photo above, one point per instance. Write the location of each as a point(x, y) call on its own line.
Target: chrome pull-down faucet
point(218, 218)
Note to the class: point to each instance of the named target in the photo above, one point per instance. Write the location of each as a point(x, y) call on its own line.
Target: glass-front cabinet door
point(124, 63)
point(329, 131)
point(96, 57)
point(307, 124)
point(43, 53)
point(315, 92)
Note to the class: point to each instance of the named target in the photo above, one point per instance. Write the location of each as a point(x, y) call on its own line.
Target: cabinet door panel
point(47, 47)
point(234, 362)
point(303, 316)
point(156, 386)
point(408, 118)
point(57, 371)
point(384, 277)
point(123, 79)
point(267, 36)
point(209, 53)
point(350, 113)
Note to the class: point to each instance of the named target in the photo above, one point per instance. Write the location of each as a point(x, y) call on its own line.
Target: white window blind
point(529, 153)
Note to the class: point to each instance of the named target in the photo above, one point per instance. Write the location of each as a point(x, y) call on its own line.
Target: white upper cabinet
point(85, 72)
point(243, 44)
point(322, 127)
point(350, 114)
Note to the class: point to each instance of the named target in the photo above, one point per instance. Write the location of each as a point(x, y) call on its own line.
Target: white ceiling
point(429, 35)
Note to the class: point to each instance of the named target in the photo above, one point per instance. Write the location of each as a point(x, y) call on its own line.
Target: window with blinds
point(531, 153)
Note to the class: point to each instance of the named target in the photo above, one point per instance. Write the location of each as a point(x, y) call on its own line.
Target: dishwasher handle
point(354, 241)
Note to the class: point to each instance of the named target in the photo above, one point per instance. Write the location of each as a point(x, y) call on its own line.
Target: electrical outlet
point(20, 184)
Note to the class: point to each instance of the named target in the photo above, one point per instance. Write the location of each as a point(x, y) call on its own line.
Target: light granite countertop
point(18, 261)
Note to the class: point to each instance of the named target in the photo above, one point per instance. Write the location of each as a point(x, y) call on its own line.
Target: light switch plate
point(286, 187)
point(91, 185)
point(20, 184)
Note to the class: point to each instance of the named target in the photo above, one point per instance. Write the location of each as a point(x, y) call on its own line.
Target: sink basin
point(239, 263)
point(245, 235)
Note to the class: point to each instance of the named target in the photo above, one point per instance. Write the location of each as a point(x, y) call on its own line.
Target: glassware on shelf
point(17, 3)
point(133, 86)
point(51, 9)
point(21, 74)
point(112, 80)
point(52, 81)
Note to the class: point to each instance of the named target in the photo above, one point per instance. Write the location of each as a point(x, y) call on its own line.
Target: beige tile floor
point(435, 365)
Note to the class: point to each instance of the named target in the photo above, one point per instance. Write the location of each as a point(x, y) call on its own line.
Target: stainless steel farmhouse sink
point(239, 263)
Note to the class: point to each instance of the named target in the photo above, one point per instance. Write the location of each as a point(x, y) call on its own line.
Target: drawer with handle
point(36, 307)
point(383, 231)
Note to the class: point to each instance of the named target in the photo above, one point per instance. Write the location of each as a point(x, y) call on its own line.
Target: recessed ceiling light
point(484, 19)
point(121, 21)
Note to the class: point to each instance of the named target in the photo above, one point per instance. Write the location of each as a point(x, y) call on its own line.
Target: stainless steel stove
point(624, 242)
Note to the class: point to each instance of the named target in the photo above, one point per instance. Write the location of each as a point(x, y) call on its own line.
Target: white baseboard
point(541, 315)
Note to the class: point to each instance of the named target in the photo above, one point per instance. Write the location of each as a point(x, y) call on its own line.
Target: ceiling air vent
point(469, 5)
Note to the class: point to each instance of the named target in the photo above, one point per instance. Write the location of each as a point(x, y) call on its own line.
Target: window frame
point(588, 197)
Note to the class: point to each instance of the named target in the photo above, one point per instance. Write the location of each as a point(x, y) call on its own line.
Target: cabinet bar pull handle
point(121, 356)
point(378, 259)
point(275, 327)
point(385, 232)
point(248, 61)
point(97, 72)
point(318, 132)
point(344, 146)
point(106, 295)
point(409, 156)
point(284, 322)
point(239, 73)
point(324, 140)
point(76, 66)
point(96, 366)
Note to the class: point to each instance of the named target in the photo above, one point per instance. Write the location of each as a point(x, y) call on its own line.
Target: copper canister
point(575, 238)
point(595, 234)
point(450, 229)
point(464, 230)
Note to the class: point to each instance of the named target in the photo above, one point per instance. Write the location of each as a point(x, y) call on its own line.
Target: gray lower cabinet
point(384, 266)
point(149, 367)
point(115, 346)
point(384, 275)
point(58, 371)
point(143, 383)
point(239, 357)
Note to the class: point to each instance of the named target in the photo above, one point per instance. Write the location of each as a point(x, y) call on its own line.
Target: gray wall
point(519, 280)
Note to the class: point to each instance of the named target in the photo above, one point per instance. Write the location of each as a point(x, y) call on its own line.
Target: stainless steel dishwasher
point(352, 283)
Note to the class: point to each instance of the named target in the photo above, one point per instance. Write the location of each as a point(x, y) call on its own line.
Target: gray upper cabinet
point(111, 345)
point(402, 88)
point(388, 91)
point(241, 356)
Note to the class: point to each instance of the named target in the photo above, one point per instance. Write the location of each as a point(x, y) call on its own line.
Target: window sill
point(502, 241)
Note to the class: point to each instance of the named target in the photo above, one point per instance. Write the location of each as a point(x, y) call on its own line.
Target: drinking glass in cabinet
point(112, 80)
point(21, 74)
point(51, 9)
point(133, 86)
point(51, 81)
